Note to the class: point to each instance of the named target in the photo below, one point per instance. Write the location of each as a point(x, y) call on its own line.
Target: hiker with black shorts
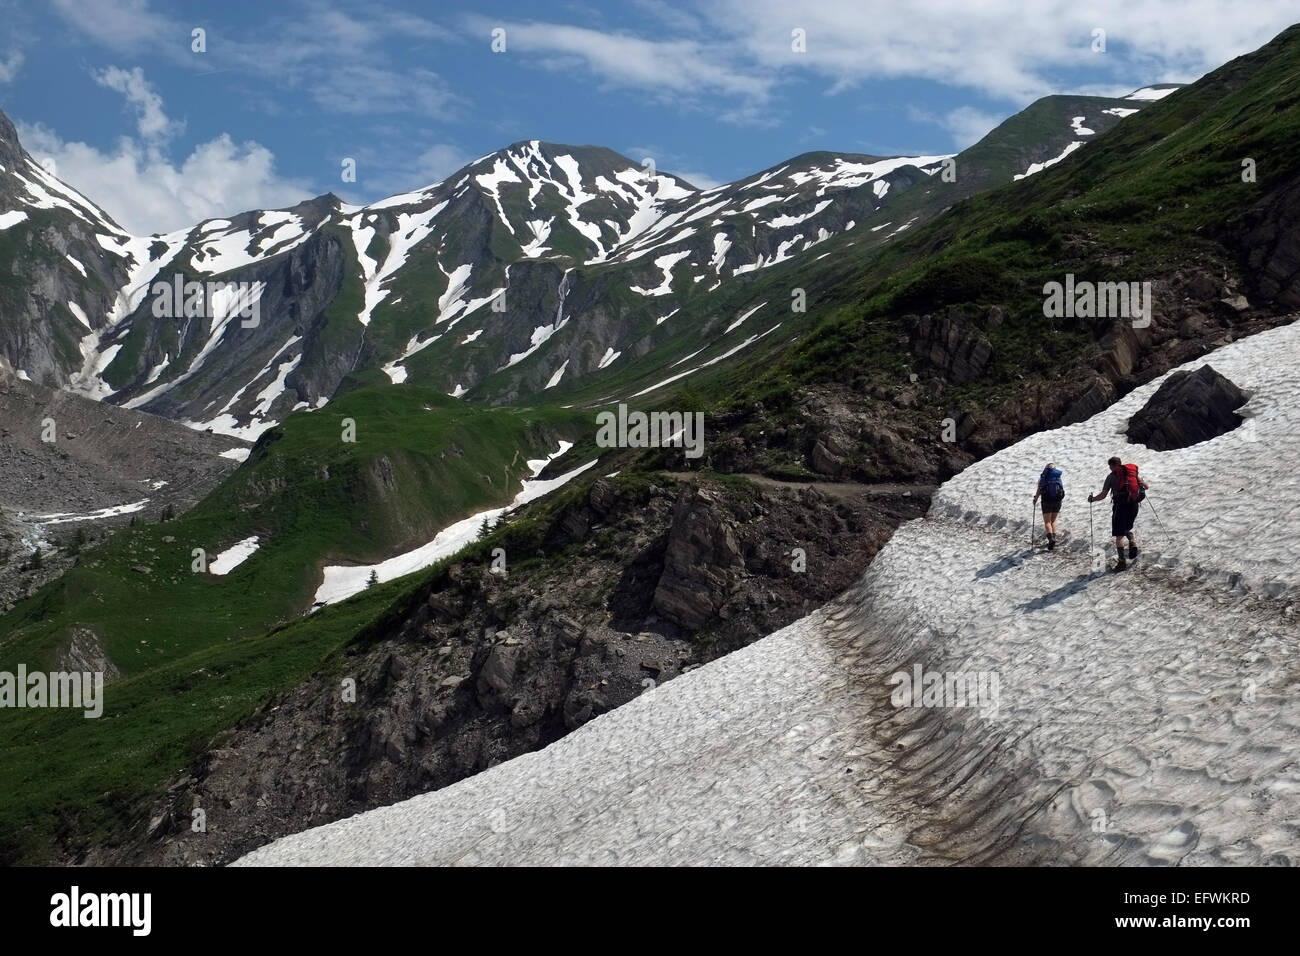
point(1128, 490)
point(1052, 491)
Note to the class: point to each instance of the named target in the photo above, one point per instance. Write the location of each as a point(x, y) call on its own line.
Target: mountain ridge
point(379, 287)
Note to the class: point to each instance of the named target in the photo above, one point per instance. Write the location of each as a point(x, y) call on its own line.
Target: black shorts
point(1122, 516)
point(1052, 505)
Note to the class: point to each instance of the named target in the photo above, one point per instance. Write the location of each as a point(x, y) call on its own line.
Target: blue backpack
point(1052, 487)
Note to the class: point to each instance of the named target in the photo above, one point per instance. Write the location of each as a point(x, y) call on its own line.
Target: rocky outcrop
point(1271, 243)
point(1189, 408)
point(83, 651)
point(1095, 396)
point(956, 351)
point(701, 554)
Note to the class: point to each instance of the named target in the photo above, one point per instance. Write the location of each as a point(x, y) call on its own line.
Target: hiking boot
point(1051, 542)
point(1132, 550)
point(1121, 564)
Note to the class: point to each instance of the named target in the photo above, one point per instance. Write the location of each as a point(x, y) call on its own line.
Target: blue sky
point(112, 92)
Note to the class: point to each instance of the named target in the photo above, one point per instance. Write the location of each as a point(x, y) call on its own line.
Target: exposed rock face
point(1093, 399)
point(1272, 246)
point(84, 652)
point(960, 353)
point(1120, 350)
point(1189, 408)
point(701, 551)
point(297, 290)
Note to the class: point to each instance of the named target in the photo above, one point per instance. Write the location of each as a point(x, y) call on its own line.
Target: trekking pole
point(1033, 522)
point(1163, 529)
point(1092, 545)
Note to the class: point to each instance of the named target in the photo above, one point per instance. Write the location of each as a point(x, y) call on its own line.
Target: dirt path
point(833, 489)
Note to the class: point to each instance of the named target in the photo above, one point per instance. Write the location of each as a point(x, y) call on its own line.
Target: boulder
point(700, 553)
point(601, 497)
point(560, 629)
point(824, 462)
point(1192, 326)
point(1120, 349)
point(1189, 408)
point(498, 673)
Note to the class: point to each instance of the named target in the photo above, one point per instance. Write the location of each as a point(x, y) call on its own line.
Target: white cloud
point(10, 66)
point(740, 58)
point(152, 123)
point(393, 161)
point(696, 179)
point(147, 193)
point(441, 160)
point(670, 70)
point(969, 125)
point(143, 188)
point(124, 26)
point(358, 88)
point(966, 124)
point(1002, 48)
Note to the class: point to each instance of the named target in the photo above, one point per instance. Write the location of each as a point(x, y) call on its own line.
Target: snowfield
point(340, 582)
point(1149, 717)
point(234, 556)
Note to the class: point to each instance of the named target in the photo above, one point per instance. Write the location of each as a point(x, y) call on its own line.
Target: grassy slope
point(1151, 195)
point(421, 460)
point(67, 777)
point(194, 649)
point(1140, 203)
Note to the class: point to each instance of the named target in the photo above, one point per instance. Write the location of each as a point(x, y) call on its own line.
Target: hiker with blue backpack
point(1052, 490)
point(1128, 491)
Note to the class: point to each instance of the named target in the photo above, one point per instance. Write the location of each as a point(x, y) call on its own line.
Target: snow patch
point(740, 321)
point(1150, 94)
point(559, 374)
point(233, 556)
point(64, 517)
point(1039, 167)
point(665, 264)
point(341, 582)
